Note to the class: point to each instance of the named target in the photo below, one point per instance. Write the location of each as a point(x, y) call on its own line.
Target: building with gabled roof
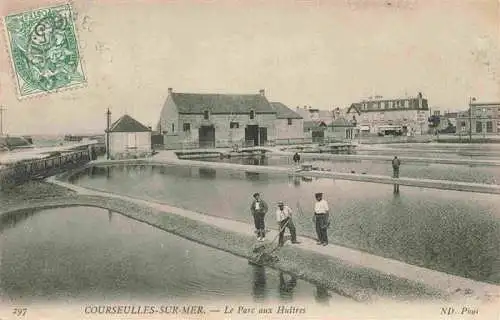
point(128, 138)
point(409, 114)
point(289, 124)
point(209, 120)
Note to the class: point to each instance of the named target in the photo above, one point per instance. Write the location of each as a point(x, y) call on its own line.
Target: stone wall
point(287, 131)
point(224, 134)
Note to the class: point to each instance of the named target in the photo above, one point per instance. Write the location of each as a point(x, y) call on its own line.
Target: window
point(489, 126)
point(234, 125)
point(252, 114)
point(186, 127)
point(479, 127)
point(131, 141)
point(462, 124)
point(289, 121)
point(173, 128)
point(206, 115)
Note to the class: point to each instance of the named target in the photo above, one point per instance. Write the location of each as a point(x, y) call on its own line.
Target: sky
point(325, 54)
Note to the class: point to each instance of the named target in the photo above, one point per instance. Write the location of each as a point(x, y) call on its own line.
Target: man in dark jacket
point(396, 163)
point(259, 210)
point(296, 158)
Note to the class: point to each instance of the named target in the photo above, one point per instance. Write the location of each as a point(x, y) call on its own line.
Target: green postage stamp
point(44, 50)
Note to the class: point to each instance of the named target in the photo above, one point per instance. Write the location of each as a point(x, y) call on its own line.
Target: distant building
point(484, 117)
point(216, 120)
point(448, 122)
point(316, 122)
point(342, 129)
point(408, 115)
point(289, 124)
point(129, 138)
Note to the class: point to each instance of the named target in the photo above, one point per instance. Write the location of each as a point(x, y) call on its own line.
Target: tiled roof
point(128, 124)
point(283, 112)
point(316, 115)
point(195, 103)
point(318, 125)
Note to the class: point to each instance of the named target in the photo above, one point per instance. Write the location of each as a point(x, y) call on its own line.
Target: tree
point(434, 122)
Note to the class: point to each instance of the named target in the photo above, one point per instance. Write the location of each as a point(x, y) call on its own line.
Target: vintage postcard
point(229, 159)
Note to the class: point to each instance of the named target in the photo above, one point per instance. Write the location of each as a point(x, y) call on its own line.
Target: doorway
point(252, 135)
point(206, 136)
point(262, 136)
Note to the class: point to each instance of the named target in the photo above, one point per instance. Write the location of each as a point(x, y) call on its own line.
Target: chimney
point(262, 92)
point(170, 90)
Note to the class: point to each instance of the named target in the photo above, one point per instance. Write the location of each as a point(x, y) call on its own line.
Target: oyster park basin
point(82, 254)
point(448, 231)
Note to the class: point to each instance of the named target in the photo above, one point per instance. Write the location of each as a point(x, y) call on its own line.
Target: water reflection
point(419, 226)
point(287, 285)
point(11, 219)
point(259, 289)
point(297, 180)
point(207, 173)
point(321, 295)
point(73, 254)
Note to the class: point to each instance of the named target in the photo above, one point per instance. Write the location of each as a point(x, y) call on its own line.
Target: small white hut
point(129, 138)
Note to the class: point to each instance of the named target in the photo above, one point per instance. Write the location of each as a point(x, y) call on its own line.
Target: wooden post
point(108, 121)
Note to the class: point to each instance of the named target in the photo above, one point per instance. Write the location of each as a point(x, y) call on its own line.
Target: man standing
point(395, 172)
point(296, 158)
point(259, 210)
point(395, 167)
point(321, 217)
point(284, 218)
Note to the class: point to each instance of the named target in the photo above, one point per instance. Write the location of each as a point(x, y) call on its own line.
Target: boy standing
point(259, 210)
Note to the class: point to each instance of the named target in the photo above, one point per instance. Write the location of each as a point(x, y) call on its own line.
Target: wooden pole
point(108, 124)
point(2, 109)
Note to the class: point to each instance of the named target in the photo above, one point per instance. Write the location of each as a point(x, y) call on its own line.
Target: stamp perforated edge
point(8, 50)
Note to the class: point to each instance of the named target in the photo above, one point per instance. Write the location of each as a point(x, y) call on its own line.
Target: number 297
point(20, 312)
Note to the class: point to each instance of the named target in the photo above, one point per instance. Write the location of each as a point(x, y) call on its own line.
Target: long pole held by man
point(284, 219)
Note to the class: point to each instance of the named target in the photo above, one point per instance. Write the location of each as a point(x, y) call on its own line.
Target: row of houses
point(207, 120)
point(481, 118)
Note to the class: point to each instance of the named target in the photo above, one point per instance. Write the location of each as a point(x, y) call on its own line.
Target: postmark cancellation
point(44, 50)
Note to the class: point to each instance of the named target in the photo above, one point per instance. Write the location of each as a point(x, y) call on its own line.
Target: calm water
point(88, 254)
point(477, 174)
point(455, 232)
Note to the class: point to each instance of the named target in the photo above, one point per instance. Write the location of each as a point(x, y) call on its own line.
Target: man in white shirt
point(284, 218)
point(321, 217)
